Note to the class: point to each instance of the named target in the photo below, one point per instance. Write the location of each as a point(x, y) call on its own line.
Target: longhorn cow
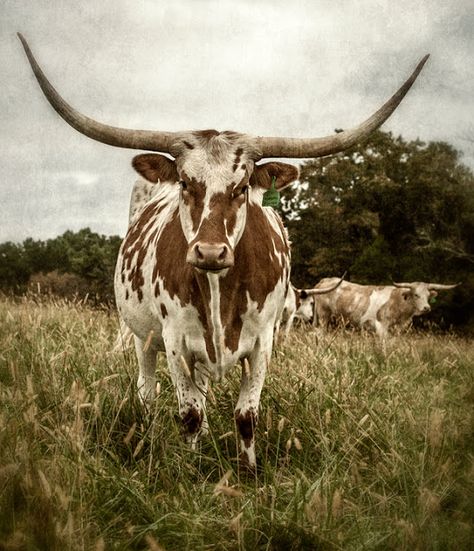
point(300, 304)
point(383, 309)
point(203, 271)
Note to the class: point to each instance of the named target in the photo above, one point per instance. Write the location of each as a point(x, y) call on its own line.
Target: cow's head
point(216, 171)
point(418, 294)
point(218, 178)
point(306, 299)
point(305, 305)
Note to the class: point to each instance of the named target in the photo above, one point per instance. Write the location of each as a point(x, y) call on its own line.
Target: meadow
point(360, 446)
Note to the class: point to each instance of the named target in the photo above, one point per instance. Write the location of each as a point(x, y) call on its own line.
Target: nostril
point(223, 253)
point(199, 254)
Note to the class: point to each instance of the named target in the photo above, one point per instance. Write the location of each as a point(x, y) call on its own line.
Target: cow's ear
point(283, 173)
point(406, 293)
point(155, 168)
point(433, 293)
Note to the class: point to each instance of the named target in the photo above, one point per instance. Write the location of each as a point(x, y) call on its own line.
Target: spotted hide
point(203, 271)
point(383, 309)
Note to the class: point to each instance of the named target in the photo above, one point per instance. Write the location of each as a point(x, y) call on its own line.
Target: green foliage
point(387, 210)
point(86, 255)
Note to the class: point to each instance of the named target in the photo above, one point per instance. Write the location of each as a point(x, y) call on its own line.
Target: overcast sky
point(299, 68)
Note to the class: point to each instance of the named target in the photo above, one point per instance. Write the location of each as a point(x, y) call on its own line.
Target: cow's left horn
point(316, 291)
point(111, 135)
point(319, 147)
point(441, 287)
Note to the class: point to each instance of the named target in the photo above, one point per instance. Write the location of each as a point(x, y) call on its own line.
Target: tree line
point(76, 264)
point(385, 210)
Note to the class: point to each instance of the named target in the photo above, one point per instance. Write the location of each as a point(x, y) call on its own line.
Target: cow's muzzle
point(211, 257)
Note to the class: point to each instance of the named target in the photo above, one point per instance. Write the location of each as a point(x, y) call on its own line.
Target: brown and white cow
point(299, 305)
point(203, 271)
point(383, 309)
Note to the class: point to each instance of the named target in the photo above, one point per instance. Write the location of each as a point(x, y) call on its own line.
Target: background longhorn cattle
point(300, 304)
point(383, 309)
point(203, 271)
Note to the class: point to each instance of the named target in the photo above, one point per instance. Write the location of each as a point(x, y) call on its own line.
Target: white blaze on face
point(305, 310)
point(211, 181)
point(420, 296)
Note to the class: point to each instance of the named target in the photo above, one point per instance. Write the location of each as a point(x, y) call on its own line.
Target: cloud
point(271, 68)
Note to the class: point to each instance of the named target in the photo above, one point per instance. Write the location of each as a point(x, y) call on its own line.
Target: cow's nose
point(211, 257)
point(426, 309)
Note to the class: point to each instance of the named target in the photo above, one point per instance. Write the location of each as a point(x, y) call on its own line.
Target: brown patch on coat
point(246, 423)
point(155, 168)
point(193, 198)
point(188, 145)
point(180, 279)
point(238, 154)
point(256, 272)
point(164, 311)
point(192, 421)
point(135, 247)
point(399, 308)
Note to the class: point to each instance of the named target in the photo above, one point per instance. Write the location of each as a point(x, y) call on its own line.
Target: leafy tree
point(85, 254)
point(387, 209)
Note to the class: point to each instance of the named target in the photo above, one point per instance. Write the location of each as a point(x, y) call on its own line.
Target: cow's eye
point(183, 184)
point(244, 190)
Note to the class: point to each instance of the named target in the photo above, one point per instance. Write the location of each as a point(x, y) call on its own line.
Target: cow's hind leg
point(146, 384)
point(246, 410)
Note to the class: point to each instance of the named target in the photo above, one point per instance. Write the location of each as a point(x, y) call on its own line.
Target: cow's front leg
point(246, 410)
point(191, 389)
point(146, 383)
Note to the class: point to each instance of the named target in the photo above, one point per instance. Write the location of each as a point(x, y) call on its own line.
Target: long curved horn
point(319, 147)
point(326, 289)
point(404, 285)
point(111, 135)
point(441, 287)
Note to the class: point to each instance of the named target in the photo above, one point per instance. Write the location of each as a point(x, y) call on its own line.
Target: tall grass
point(360, 446)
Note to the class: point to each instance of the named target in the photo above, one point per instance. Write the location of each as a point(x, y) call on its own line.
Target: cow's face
point(305, 309)
point(419, 297)
point(217, 180)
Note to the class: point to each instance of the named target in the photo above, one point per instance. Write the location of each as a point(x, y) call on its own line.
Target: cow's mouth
point(210, 257)
point(210, 269)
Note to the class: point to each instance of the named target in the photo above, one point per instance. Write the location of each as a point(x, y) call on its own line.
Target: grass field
point(359, 446)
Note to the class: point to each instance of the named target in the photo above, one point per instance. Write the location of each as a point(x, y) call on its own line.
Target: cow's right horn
point(120, 137)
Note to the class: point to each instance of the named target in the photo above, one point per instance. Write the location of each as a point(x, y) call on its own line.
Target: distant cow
point(204, 269)
point(299, 304)
point(383, 309)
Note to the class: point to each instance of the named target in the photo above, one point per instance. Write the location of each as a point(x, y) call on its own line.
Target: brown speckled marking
point(164, 311)
point(192, 421)
point(246, 423)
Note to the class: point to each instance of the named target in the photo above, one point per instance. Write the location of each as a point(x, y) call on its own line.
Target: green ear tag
point(271, 198)
point(432, 300)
